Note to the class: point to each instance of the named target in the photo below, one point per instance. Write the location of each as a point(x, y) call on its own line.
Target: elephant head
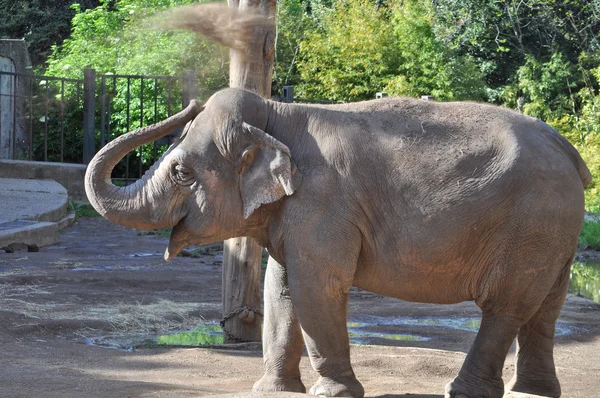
point(209, 184)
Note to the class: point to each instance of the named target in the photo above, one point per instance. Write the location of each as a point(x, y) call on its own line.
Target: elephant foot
point(269, 383)
point(338, 387)
point(462, 387)
point(545, 386)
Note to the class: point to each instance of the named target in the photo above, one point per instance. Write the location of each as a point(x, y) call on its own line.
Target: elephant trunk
point(132, 206)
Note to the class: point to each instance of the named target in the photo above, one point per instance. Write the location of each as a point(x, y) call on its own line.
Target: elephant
point(437, 202)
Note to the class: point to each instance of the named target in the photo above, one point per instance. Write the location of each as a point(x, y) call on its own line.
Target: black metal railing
point(55, 119)
point(122, 103)
point(147, 96)
point(33, 112)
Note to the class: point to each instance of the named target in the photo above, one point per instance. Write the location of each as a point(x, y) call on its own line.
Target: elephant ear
point(267, 172)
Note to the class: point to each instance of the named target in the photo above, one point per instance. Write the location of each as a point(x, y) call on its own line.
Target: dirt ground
point(103, 281)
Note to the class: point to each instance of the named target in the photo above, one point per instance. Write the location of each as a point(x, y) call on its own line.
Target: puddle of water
point(585, 280)
point(358, 331)
point(208, 334)
point(466, 324)
point(202, 335)
point(143, 255)
point(359, 336)
point(102, 267)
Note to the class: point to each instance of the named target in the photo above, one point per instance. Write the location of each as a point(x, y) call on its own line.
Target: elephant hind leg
point(534, 367)
point(481, 373)
point(530, 315)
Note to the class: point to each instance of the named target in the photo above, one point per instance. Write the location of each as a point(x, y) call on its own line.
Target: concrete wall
point(14, 132)
point(70, 176)
point(7, 107)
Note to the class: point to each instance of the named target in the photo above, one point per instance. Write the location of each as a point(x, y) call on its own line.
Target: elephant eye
point(183, 175)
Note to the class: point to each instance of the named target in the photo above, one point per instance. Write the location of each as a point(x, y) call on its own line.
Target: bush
point(590, 236)
point(427, 65)
point(585, 280)
point(351, 56)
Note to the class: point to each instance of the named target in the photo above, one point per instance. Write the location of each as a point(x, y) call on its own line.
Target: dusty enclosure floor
point(106, 282)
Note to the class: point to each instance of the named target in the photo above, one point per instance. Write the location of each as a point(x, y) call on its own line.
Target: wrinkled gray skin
point(427, 202)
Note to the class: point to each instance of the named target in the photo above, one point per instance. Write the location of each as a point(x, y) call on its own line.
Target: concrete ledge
point(38, 200)
point(70, 176)
point(66, 221)
point(32, 211)
point(35, 233)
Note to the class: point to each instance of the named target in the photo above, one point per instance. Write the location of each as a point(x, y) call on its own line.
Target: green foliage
point(545, 87)
point(117, 38)
point(293, 21)
point(56, 121)
point(350, 56)
point(578, 119)
point(42, 23)
point(585, 280)
point(500, 34)
point(360, 48)
point(590, 236)
point(82, 209)
point(427, 65)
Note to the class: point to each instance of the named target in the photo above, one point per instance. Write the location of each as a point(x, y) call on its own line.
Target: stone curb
point(36, 233)
point(32, 211)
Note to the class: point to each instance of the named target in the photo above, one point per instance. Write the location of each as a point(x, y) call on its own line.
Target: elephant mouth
point(177, 241)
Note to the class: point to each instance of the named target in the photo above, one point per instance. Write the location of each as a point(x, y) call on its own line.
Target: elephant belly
point(422, 283)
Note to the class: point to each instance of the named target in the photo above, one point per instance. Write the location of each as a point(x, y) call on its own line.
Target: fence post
point(287, 94)
point(89, 114)
point(190, 90)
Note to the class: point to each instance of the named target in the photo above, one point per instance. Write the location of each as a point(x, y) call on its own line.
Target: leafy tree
point(501, 34)
point(42, 23)
point(544, 88)
point(293, 21)
point(427, 65)
point(361, 47)
point(118, 37)
point(350, 56)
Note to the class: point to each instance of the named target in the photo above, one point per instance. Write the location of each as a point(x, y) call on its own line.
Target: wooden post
point(242, 256)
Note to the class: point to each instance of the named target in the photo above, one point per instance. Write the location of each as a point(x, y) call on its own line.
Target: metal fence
point(32, 115)
point(51, 119)
point(44, 118)
point(121, 103)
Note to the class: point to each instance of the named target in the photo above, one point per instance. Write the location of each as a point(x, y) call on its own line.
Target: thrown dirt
point(107, 282)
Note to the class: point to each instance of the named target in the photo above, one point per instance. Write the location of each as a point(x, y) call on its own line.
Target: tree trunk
point(242, 256)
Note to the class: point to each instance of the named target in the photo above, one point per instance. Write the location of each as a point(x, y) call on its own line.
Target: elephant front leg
point(282, 337)
point(321, 300)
